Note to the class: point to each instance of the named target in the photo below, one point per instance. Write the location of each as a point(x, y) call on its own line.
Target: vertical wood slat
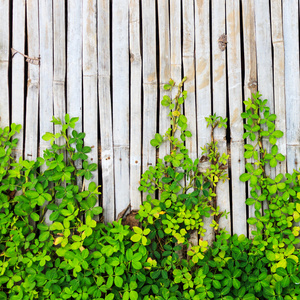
point(278, 71)
point(188, 53)
point(74, 67)
point(219, 100)
point(239, 218)
point(164, 70)
point(203, 89)
point(264, 65)
point(135, 105)
point(59, 61)
point(292, 85)
point(89, 66)
point(149, 83)
point(120, 63)
point(4, 62)
point(105, 110)
point(33, 82)
point(46, 76)
point(18, 70)
point(250, 74)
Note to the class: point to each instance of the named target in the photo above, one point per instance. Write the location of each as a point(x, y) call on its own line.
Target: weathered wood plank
point(120, 64)
point(188, 53)
point(33, 82)
point(149, 83)
point(250, 73)
point(59, 60)
point(4, 62)
point(164, 70)
point(264, 63)
point(278, 71)
point(135, 105)
point(105, 110)
point(46, 75)
point(74, 67)
point(18, 70)
point(238, 188)
point(74, 61)
point(203, 89)
point(292, 85)
point(219, 100)
point(90, 100)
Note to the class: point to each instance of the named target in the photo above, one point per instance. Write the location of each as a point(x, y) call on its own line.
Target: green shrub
point(76, 257)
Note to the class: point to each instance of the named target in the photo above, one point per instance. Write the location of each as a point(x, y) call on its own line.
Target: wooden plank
point(135, 105)
point(188, 51)
point(250, 74)
point(74, 67)
point(46, 76)
point(90, 101)
point(33, 82)
point(239, 217)
point(4, 62)
point(264, 64)
point(279, 91)
point(105, 110)
point(219, 100)
point(164, 70)
point(120, 63)
point(292, 85)
point(59, 60)
point(18, 68)
point(203, 89)
point(175, 33)
point(149, 83)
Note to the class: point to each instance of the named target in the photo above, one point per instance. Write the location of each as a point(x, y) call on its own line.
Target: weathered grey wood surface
point(106, 61)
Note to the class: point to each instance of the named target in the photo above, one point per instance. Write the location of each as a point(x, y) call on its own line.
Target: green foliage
point(186, 195)
point(77, 257)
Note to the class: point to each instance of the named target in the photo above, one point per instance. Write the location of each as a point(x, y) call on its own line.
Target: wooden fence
point(107, 61)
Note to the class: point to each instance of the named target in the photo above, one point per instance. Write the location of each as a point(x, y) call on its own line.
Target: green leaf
point(118, 281)
point(272, 189)
point(183, 119)
point(110, 296)
point(280, 157)
point(136, 237)
point(154, 143)
point(133, 295)
point(273, 162)
point(48, 136)
point(245, 177)
point(44, 236)
point(274, 150)
point(278, 134)
point(270, 255)
point(252, 221)
point(34, 216)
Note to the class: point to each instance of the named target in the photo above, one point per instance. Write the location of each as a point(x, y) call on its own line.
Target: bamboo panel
point(135, 105)
point(188, 57)
point(59, 61)
point(18, 72)
point(4, 62)
point(105, 110)
point(33, 82)
point(149, 83)
point(250, 74)
point(120, 63)
point(219, 99)
point(264, 64)
point(238, 188)
point(164, 70)
point(278, 71)
point(90, 100)
point(292, 84)
point(46, 76)
point(74, 67)
point(203, 89)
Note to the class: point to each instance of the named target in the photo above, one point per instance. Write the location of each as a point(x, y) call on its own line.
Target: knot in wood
point(222, 42)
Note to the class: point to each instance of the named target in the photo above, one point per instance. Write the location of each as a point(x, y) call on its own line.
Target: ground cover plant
point(76, 257)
